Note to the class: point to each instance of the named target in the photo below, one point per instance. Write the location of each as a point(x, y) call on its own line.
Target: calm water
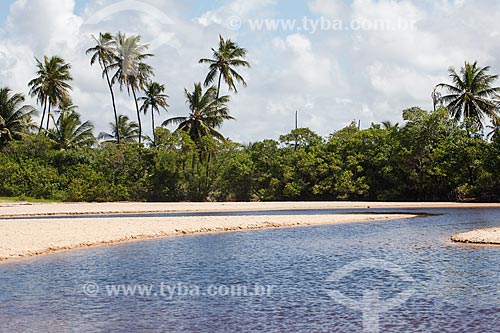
point(449, 288)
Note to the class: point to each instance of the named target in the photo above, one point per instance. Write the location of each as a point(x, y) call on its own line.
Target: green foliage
point(430, 157)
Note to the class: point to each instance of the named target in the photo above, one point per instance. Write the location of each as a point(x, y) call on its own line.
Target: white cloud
point(333, 9)
point(237, 8)
point(44, 24)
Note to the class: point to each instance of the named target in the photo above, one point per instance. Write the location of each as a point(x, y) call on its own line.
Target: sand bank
point(481, 236)
point(21, 238)
point(8, 209)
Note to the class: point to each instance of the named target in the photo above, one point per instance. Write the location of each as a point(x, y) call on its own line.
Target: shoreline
point(190, 226)
point(27, 230)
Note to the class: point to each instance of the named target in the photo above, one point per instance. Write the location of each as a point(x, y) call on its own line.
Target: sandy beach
point(23, 237)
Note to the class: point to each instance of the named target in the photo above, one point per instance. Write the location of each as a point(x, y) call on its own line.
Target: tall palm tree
point(130, 70)
point(155, 99)
point(208, 112)
point(225, 60)
point(51, 85)
point(15, 118)
point(472, 96)
point(103, 53)
point(129, 131)
point(69, 131)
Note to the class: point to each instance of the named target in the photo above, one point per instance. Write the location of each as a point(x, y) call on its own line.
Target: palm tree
point(131, 71)
point(495, 130)
point(51, 85)
point(225, 60)
point(129, 131)
point(436, 98)
point(471, 96)
point(66, 106)
point(208, 112)
point(389, 126)
point(69, 131)
point(15, 118)
point(102, 53)
point(154, 99)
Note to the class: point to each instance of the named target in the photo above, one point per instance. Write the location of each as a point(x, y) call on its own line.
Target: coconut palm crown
point(226, 59)
point(472, 96)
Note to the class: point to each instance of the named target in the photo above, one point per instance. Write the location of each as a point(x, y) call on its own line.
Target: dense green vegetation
point(449, 153)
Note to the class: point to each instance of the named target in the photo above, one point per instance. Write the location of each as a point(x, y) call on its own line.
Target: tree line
point(449, 153)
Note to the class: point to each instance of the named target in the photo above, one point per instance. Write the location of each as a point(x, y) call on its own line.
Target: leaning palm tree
point(15, 117)
point(225, 60)
point(471, 97)
point(155, 99)
point(69, 131)
point(51, 85)
point(208, 112)
point(130, 70)
point(128, 131)
point(103, 53)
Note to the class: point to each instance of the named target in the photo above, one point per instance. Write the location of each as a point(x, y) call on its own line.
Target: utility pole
point(296, 120)
point(296, 128)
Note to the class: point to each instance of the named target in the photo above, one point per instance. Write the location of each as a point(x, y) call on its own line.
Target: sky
point(335, 61)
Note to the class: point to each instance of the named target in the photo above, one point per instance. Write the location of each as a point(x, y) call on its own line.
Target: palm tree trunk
point(138, 114)
point(118, 136)
point(48, 116)
point(154, 127)
point(218, 86)
point(43, 115)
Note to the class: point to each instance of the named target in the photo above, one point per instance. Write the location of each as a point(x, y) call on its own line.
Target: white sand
point(23, 238)
point(481, 236)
